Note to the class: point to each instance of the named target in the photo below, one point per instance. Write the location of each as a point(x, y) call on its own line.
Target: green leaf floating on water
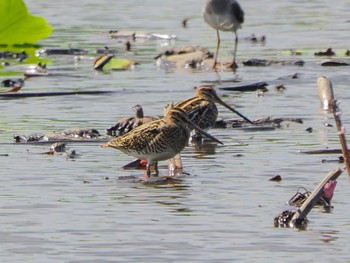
point(18, 26)
point(120, 64)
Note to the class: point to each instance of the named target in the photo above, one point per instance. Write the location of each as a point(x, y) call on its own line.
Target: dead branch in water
point(327, 185)
point(300, 215)
point(342, 139)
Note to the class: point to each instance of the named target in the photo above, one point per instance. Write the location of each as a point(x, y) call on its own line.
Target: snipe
point(127, 124)
point(201, 108)
point(158, 140)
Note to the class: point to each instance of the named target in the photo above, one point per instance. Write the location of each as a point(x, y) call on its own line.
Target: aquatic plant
point(18, 26)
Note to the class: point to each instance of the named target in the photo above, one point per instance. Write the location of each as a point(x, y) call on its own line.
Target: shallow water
point(77, 210)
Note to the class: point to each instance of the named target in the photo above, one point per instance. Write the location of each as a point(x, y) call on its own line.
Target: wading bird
point(158, 140)
point(127, 124)
point(201, 108)
point(223, 15)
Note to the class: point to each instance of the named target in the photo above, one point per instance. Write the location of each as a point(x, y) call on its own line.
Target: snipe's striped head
point(179, 115)
point(209, 93)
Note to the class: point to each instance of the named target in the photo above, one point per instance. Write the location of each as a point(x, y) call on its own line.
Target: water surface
point(77, 210)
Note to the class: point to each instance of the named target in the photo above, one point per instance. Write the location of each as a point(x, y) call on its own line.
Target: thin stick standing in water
point(342, 139)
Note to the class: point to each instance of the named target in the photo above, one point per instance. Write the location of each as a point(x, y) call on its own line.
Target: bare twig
point(325, 90)
point(342, 139)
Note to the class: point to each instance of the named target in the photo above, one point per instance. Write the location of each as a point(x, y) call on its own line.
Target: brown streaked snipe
point(201, 108)
point(127, 124)
point(158, 140)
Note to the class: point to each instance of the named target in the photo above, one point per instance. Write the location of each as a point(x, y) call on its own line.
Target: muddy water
point(55, 209)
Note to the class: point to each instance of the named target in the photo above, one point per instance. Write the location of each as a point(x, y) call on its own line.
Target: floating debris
point(115, 34)
point(324, 199)
point(273, 122)
point(82, 133)
point(280, 87)
point(328, 52)
point(127, 46)
point(220, 124)
point(14, 83)
point(13, 55)
point(186, 50)
point(70, 153)
point(75, 135)
point(58, 147)
point(106, 51)
point(334, 64)
point(255, 39)
point(183, 57)
point(184, 22)
point(248, 87)
point(309, 129)
point(322, 195)
point(295, 52)
point(284, 220)
point(29, 138)
point(323, 151)
point(59, 51)
point(276, 178)
point(18, 95)
point(264, 62)
point(339, 160)
point(293, 76)
point(36, 71)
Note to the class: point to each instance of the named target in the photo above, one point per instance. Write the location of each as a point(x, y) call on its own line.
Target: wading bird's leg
point(155, 165)
point(175, 165)
point(148, 172)
point(217, 50)
point(234, 64)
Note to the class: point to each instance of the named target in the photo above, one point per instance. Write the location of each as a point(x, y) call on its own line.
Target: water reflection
point(329, 236)
point(203, 149)
point(122, 220)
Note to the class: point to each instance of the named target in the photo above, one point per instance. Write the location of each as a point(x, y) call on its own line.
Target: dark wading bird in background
point(127, 124)
point(224, 15)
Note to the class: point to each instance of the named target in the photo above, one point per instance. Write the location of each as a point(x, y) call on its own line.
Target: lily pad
point(18, 26)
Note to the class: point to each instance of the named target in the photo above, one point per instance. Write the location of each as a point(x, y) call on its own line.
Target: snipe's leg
point(149, 169)
point(155, 165)
point(175, 165)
